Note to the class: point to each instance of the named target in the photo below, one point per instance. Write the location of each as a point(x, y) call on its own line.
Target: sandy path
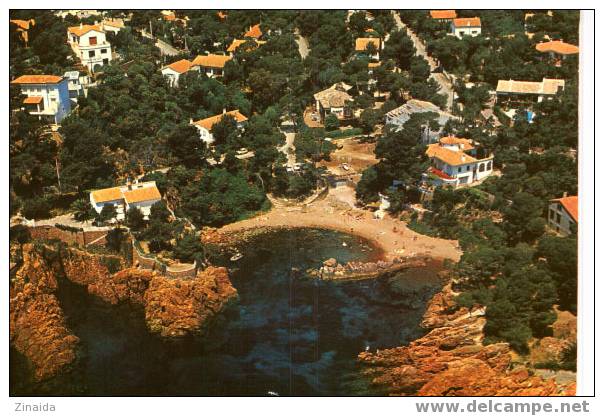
point(390, 234)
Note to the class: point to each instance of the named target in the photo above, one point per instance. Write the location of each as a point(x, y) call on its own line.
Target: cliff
point(177, 307)
point(173, 307)
point(451, 360)
point(38, 329)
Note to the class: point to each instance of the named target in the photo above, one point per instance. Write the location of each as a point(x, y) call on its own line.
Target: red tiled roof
point(467, 22)
point(181, 66)
point(557, 46)
point(211, 61)
point(82, 30)
point(254, 32)
point(37, 79)
point(443, 14)
point(149, 193)
point(571, 205)
point(208, 123)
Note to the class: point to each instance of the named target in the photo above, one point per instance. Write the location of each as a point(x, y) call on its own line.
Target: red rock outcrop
point(451, 360)
point(177, 307)
point(37, 324)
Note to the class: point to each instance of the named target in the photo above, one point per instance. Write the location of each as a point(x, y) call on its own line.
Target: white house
point(113, 25)
point(174, 70)
point(457, 162)
point(563, 214)
point(211, 65)
point(47, 96)
point(334, 100)
point(466, 26)
point(141, 195)
point(512, 93)
point(361, 45)
point(77, 84)
point(205, 125)
point(89, 43)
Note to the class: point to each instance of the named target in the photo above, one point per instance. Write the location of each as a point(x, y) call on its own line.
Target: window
point(93, 40)
point(468, 168)
point(552, 214)
point(489, 166)
point(481, 167)
point(459, 170)
point(558, 217)
point(103, 51)
point(91, 54)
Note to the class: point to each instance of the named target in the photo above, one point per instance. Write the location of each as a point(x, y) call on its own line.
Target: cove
point(288, 334)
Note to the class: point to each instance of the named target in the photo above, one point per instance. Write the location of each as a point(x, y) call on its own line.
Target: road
point(445, 85)
point(302, 44)
point(164, 47)
point(285, 149)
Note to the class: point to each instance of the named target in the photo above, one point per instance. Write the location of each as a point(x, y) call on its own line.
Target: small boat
point(236, 256)
point(344, 244)
point(272, 393)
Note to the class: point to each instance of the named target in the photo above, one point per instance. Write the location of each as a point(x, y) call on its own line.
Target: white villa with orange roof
point(466, 26)
point(89, 43)
point(141, 195)
point(174, 70)
point(204, 126)
point(563, 214)
point(457, 162)
point(211, 65)
point(47, 96)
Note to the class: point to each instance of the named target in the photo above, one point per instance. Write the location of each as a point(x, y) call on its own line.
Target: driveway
point(445, 85)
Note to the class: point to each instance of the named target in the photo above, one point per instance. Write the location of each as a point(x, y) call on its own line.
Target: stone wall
point(148, 262)
point(81, 238)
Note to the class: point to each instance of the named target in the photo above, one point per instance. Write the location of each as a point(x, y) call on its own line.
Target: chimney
point(129, 183)
point(565, 194)
point(190, 121)
point(81, 25)
point(224, 111)
point(463, 158)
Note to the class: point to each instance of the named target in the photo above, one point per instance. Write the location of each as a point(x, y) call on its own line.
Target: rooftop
point(449, 156)
point(147, 193)
point(23, 24)
point(107, 194)
point(83, 29)
point(238, 42)
point(443, 14)
point(361, 44)
point(37, 79)
point(211, 61)
point(254, 32)
point(334, 96)
point(181, 66)
point(466, 22)
point(547, 86)
point(208, 123)
point(571, 205)
point(33, 100)
point(557, 46)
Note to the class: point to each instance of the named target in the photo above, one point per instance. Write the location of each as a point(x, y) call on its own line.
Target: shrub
point(36, 208)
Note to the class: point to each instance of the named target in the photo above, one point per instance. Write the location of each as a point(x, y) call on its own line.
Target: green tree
point(331, 122)
point(82, 210)
point(107, 213)
point(135, 219)
point(188, 248)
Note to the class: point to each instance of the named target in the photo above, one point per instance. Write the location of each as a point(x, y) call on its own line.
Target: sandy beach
point(335, 212)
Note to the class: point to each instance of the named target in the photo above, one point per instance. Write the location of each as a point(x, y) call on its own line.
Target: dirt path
point(335, 213)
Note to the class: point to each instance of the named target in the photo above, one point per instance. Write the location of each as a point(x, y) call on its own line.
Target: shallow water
point(286, 335)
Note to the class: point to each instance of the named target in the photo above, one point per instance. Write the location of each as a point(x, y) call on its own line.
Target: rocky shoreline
point(451, 360)
point(332, 270)
point(173, 308)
